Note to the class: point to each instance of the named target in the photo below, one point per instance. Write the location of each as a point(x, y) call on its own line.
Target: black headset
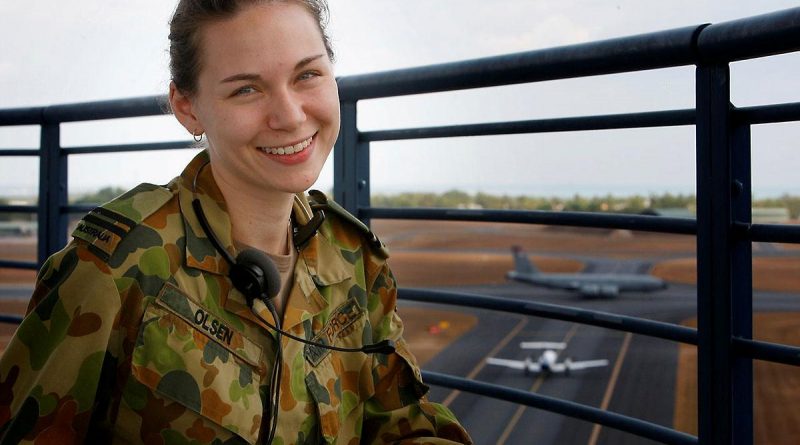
point(254, 275)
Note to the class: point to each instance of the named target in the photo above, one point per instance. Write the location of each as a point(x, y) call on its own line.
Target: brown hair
point(191, 15)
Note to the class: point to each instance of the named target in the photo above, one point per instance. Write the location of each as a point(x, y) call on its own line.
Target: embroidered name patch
point(209, 324)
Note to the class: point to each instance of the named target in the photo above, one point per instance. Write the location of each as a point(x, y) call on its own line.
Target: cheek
point(327, 104)
point(232, 130)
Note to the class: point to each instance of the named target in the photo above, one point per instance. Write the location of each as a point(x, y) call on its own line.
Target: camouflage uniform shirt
point(135, 335)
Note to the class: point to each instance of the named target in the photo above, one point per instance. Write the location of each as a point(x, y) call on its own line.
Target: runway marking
point(612, 382)
point(535, 387)
point(452, 396)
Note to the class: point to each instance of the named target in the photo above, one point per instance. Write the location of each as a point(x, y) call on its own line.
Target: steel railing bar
point(21, 116)
point(771, 352)
point(580, 123)
point(18, 265)
point(682, 226)
point(107, 109)
point(758, 36)
point(129, 147)
point(662, 49)
point(18, 209)
point(768, 114)
point(666, 331)
point(571, 409)
point(771, 233)
point(19, 152)
point(11, 318)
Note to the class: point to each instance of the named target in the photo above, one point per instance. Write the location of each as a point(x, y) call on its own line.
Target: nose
point(286, 111)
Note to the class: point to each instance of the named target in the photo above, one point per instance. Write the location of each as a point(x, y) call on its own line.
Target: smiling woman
point(157, 323)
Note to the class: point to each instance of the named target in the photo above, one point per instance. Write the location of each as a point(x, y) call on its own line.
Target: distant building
point(670, 212)
point(760, 215)
point(771, 215)
point(17, 228)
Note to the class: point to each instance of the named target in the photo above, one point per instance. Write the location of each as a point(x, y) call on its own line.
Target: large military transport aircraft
point(547, 362)
point(587, 284)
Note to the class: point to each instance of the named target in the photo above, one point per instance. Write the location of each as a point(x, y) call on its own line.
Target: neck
point(258, 217)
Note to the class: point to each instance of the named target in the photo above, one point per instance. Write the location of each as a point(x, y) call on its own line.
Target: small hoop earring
point(198, 137)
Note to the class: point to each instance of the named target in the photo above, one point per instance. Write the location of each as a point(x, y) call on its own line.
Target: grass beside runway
point(776, 390)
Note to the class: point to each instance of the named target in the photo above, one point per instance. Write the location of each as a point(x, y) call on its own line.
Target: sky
point(58, 52)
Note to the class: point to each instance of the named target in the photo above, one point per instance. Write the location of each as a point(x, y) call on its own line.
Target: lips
point(289, 149)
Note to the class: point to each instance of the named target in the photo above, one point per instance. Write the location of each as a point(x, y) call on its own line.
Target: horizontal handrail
point(765, 34)
point(20, 152)
point(581, 123)
point(18, 209)
point(767, 114)
point(18, 264)
point(771, 233)
point(21, 116)
point(772, 352)
point(640, 52)
point(11, 318)
point(646, 223)
point(572, 409)
point(666, 331)
point(128, 147)
point(757, 36)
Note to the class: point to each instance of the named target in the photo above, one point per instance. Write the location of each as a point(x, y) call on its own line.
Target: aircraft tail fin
point(522, 264)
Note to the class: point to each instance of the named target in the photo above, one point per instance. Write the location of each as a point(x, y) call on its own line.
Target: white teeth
point(291, 149)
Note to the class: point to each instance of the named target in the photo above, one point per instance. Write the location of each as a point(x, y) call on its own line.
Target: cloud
point(550, 31)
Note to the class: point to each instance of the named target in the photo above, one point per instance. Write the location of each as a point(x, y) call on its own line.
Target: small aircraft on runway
point(587, 284)
point(547, 362)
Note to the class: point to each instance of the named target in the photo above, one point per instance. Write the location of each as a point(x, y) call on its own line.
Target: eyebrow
point(253, 77)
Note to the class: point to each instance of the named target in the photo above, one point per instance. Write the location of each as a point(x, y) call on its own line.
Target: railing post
point(742, 282)
point(52, 191)
point(351, 165)
point(723, 307)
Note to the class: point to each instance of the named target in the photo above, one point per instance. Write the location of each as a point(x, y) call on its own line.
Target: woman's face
point(267, 98)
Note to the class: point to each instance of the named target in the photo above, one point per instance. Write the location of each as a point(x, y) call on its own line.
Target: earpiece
point(255, 275)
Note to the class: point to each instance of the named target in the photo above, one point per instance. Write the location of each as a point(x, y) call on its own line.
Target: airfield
point(648, 378)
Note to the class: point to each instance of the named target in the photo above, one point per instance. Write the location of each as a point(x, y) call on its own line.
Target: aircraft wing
point(586, 364)
point(513, 364)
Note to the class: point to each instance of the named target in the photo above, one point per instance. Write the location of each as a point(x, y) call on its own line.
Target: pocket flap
point(181, 360)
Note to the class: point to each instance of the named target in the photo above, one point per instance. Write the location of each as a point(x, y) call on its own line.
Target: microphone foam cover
point(253, 258)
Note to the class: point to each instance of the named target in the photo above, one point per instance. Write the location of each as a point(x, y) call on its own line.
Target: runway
point(639, 381)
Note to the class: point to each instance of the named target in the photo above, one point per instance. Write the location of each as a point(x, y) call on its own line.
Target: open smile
point(289, 149)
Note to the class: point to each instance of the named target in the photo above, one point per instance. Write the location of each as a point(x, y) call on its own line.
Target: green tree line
point(577, 203)
point(461, 199)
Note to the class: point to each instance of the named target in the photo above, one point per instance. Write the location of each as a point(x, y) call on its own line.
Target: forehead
point(260, 37)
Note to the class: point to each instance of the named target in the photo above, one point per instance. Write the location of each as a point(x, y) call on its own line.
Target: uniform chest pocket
point(190, 356)
point(340, 382)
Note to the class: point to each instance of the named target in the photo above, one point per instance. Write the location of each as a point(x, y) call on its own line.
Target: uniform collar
point(319, 263)
point(198, 182)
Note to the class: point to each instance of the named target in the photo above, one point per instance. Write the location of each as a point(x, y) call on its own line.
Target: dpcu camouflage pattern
point(135, 335)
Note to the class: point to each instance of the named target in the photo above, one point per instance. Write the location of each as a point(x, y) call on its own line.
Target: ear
point(182, 107)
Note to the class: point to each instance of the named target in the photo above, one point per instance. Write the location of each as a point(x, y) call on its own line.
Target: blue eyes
point(244, 91)
point(251, 89)
point(308, 75)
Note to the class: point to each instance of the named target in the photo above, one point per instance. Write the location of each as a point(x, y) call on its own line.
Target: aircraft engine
point(609, 291)
point(590, 290)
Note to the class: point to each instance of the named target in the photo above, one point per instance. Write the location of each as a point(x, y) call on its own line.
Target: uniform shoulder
point(319, 201)
point(105, 227)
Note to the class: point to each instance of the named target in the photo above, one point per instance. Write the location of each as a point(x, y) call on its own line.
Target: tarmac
point(640, 380)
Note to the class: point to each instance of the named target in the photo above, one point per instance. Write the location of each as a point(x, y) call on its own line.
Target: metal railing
point(723, 226)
